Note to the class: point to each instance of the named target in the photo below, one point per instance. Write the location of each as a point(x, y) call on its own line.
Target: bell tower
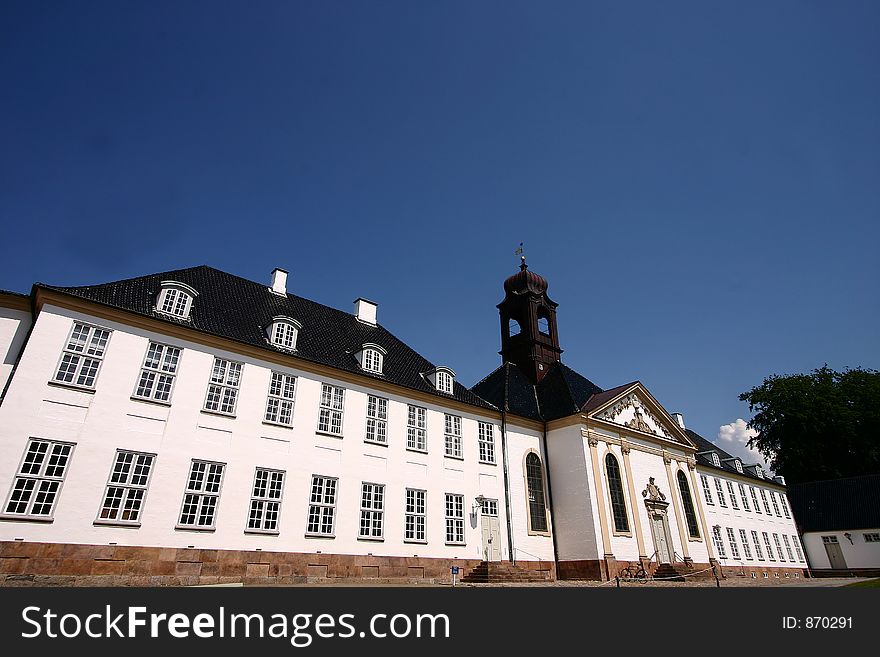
point(529, 338)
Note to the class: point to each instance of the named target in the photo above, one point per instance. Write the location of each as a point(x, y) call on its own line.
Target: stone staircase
point(668, 572)
point(498, 571)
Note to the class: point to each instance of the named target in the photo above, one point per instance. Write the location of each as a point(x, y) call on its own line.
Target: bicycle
point(633, 573)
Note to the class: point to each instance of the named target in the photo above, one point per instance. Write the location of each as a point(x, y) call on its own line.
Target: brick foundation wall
point(772, 572)
point(65, 564)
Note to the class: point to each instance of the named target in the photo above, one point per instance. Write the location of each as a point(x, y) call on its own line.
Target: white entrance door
point(491, 530)
point(835, 554)
point(661, 539)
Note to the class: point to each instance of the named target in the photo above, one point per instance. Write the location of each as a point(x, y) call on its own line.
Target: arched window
point(371, 358)
point(175, 299)
point(514, 327)
point(535, 487)
point(283, 332)
point(543, 321)
point(615, 492)
point(687, 502)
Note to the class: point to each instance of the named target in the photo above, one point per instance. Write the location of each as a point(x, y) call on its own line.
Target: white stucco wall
point(108, 419)
point(14, 326)
point(858, 554)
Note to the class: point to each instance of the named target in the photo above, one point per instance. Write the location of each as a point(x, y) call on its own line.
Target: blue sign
point(455, 570)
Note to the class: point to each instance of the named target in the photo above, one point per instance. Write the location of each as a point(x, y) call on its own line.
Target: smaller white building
point(839, 521)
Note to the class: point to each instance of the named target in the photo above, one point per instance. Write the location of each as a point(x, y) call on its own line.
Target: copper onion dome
point(525, 281)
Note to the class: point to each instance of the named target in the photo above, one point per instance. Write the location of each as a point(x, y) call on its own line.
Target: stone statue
point(652, 491)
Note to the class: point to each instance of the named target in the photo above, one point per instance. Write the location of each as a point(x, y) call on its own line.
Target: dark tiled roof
point(836, 504)
point(238, 309)
point(600, 398)
point(560, 393)
point(15, 294)
point(704, 445)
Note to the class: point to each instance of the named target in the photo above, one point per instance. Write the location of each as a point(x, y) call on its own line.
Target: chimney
point(365, 310)
point(779, 479)
point(678, 417)
point(279, 281)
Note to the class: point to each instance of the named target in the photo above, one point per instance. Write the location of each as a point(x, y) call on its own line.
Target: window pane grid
point(322, 506)
point(82, 355)
point(535, 488)
point(127, 487)
point(158, 372)
point(377, 416)
point(486, 442)
point(747, 551)
point(453, 436)
point(416, 434)
point(372, 510)
point(330, 415)
point(279, 402)
point(454, 518)
point(35, 489)
point(223, 387)
point(202, 494)
point(414, 527)
point(265, 507)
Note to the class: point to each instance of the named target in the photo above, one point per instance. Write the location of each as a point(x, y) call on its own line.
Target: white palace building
point(194, 427)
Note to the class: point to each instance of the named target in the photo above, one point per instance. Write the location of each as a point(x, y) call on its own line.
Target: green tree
point(821, 425)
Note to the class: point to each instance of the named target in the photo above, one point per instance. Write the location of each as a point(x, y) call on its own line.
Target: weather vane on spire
point(522, 256)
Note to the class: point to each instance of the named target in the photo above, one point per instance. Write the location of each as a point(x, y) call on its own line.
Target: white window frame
point(284, 332)
point(784, 504)
point(205, 495)
point(486, 442)
point(757, 543)
point(82, 356)
point(415, 517)
point(372, 524)
point(719, 490)
point(416, 428)
point(778, 547)
point(719, 543)
point(744, 539)
point(738, 465)
point(377, 420)
point(707, 489)
point(331, 409)
point(323, 495)
point(769, 546)
point(775, 503)
point(755, 499)
point(47, 469)
point(788, 551)
point(716, 461)
point(445, 382)
point(175, 299)
point(766, 503)
point(871, 537)
point(264, 509)
point(489, 508)
point(744, 498)
point(158, 373)
point(223, 386)
point(372, 360)
point(452, 439)
point(797, 548)
point(733, 502)
point(734, 548)
point(127, 485)
point(280, 399)
point(454, 515)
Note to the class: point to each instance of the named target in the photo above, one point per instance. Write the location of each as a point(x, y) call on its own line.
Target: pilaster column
point(698, 497)
point(600, 497)
point(633, 501)
point(673, 489)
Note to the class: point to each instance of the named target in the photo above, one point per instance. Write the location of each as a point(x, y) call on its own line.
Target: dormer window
point(738, 465)
point(715, 460)
point(175, 299)
point(759, 471)
point(371, 358)
point(283, 332)
point(443, 379)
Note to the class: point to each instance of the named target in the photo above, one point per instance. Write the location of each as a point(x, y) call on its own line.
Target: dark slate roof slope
point(704, 445)
point(560, 393)
point(235, 308)
point(836, 504)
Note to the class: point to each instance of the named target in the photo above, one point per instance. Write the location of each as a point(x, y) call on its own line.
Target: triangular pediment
point(636, 409)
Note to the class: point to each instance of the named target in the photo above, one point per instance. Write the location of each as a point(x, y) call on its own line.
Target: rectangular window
point(223, 387)
point(784, 505)
point(416, 429)
point(742, 496)
point(455, 519)
point(797, 547)
point(38, 482)
point(414, 527)
point(744, 539)
point(775, 505)
point(82, 355)
point(755, 500)
point(707, 491)
point(733, 501)
point(778, 547)
point(768, 546)
point(764, 499)
point(731, 538)
point(265, 509)
point(757, 543)
point(453, 436)
point(322, 506)
point(127, 487)
point(158, 372)
point(788, 548)
point(720, 492)
point(872, 537)
point(719, 544)
point(487, 442)
point(489, 508)
point(377, 420)
point(330, 415)
point(199, 510)
point(279, 403)
point(372, 510)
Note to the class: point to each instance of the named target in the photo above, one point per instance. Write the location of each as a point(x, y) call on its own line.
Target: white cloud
point(733, 438)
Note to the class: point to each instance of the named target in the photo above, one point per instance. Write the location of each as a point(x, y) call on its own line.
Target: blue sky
point(698, 181)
